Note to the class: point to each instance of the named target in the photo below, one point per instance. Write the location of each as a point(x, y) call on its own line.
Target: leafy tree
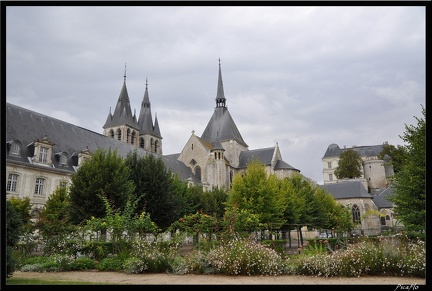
point(14, 230)
point(259, 193)
point(105, 173)
point(409, 184)
point(350, 165)
point(211, 202)
point(295, 204)
point(53, 218)
point(23, 207)
point(54, 225)
point(155, 186)
point(397, 155)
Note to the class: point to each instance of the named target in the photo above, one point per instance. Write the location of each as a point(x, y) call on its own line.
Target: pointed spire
point(156, 126)
point(122, 112)
point(125, 73)
point(220, 97)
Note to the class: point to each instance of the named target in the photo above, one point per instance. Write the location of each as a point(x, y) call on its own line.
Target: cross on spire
point(125, 72)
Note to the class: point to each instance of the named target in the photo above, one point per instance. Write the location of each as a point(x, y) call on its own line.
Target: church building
point(43, 152)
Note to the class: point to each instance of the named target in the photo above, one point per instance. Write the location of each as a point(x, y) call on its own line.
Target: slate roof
point(265, 155)
point(122, 112)
point(347, 189)
point(145, 121)
point(221, 124)
point(26, 126)
point(334, 150)
point(380, 198)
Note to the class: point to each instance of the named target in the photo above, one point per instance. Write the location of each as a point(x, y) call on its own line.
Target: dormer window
point(62, 158)
point(83, 155)
point(15, 148)
point(42, 150)
point(43, 155)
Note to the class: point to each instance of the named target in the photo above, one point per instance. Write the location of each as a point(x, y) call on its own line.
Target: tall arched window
point(133, 137)
point(128, 134)
point(141, 143)
point(119, 134)
point(198, 172)
point(355, 214)
point(111, 133)
point(156, 144)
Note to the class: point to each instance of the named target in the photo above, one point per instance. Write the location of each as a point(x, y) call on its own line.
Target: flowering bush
point(245, 257)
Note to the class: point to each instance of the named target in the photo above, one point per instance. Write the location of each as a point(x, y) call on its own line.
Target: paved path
point(170, 279)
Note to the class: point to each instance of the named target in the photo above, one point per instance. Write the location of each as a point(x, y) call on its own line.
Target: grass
point(23, 281)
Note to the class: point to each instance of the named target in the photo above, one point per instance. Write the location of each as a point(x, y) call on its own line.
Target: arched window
point(198, 172)
point(141, 143)
point(355, 214)
point(119, 134)
point(156, 144)
point(128, 135)
point(151, 144)
point(133, 137)
point(111, 133)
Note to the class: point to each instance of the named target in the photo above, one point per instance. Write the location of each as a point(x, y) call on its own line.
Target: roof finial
point(125, 72)
point(146, 83)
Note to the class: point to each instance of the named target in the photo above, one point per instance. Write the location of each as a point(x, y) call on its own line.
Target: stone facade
point(376, 172)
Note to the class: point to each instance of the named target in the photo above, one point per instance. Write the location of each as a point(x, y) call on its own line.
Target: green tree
point(211, 202)
point(259, 193)
point(14, 230)
point(155, 186)
point(397, 155)
point(409, 184)
point(53, 217)
point(295, 204)
point(23, 207)
point(105, 173)
point(350, 165)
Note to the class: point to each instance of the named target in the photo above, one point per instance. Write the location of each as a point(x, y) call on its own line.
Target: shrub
point(82, 264)
point(114, 263)
point(245, 257)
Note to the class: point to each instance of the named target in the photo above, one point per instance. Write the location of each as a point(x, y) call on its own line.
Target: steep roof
point(26, 126)
point(221, 124)
point(145, 121)
point(122, 113)
point(347, 189)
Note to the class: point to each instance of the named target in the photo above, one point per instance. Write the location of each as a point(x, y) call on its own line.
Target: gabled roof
point(26, 126)
point(265, 156)
point(347, 189)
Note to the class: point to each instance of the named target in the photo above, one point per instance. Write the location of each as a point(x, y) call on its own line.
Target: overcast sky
point(302, 77)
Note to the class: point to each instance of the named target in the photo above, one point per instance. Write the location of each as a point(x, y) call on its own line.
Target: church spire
point(220, 97)
point(125, 74)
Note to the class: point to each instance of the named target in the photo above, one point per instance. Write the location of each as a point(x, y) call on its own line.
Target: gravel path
point(170, 279)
